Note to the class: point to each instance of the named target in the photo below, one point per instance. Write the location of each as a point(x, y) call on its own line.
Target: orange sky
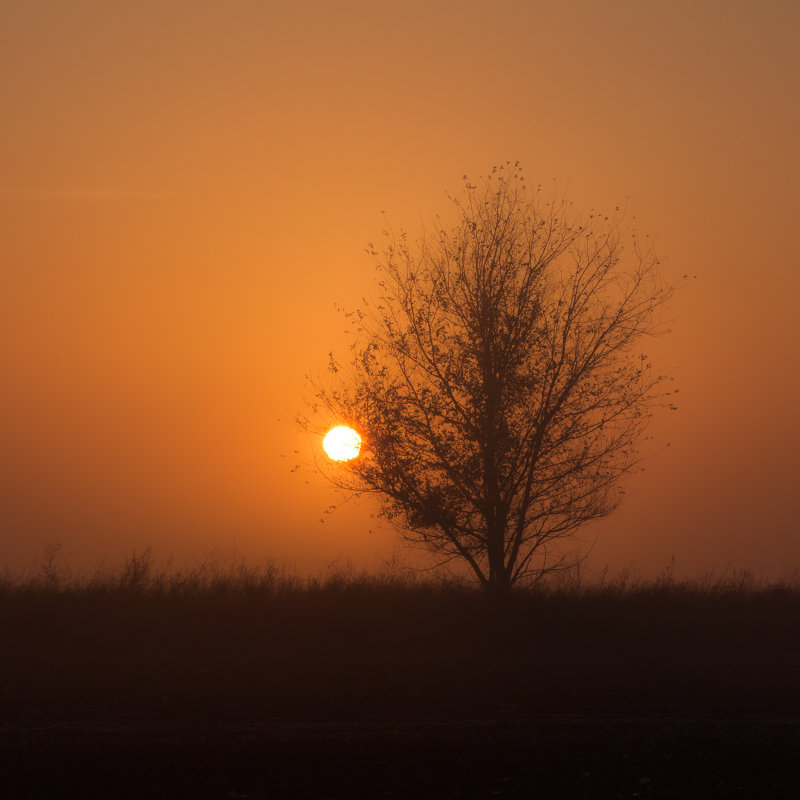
point(186, 188)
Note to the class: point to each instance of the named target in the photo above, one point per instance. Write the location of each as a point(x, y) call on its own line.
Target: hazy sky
point(186, 189)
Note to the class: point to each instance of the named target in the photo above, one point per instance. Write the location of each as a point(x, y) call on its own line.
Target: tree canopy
point(499, 382)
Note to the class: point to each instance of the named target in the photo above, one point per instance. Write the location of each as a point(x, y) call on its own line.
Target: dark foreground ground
point(370, 691)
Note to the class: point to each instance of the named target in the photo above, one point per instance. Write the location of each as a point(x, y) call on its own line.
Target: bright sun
point(342, 443)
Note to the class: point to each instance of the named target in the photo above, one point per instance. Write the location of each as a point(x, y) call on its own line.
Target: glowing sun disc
point(342, 443)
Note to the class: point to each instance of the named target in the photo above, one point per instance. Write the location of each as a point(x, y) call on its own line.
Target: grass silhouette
point(263, 677)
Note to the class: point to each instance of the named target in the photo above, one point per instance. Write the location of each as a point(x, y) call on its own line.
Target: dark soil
point(376, 693)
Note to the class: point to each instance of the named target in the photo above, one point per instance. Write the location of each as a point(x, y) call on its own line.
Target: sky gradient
point(187, 188)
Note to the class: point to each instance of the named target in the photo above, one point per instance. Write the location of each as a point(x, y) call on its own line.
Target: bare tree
point(499, 382)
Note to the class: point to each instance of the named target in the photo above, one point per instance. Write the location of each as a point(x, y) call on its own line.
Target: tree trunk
point(499, 585)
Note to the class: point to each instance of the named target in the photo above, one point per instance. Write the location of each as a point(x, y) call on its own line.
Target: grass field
point(231, 681)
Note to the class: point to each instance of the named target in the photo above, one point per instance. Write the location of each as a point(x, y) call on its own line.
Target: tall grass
point(225, 646)
point(262, 605)
point(227, 637)
point(216, 574)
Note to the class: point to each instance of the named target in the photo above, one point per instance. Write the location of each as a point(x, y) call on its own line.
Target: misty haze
point(399, 400)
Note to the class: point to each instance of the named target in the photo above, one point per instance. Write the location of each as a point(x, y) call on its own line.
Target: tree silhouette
point(499, 383)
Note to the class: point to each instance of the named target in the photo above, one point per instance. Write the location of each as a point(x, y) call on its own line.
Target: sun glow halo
point(342, 443)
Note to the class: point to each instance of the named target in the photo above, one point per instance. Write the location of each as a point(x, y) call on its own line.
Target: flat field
point(264, 687)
